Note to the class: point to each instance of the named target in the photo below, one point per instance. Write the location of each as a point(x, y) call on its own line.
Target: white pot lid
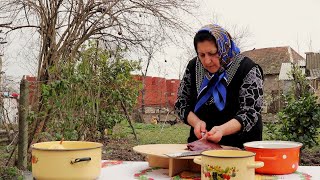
point(272, 144)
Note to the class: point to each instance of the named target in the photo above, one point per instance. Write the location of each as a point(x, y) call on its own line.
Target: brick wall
point(158, 91)
point(32, 88)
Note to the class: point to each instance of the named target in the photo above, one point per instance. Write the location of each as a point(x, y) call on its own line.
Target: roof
point(270, 59)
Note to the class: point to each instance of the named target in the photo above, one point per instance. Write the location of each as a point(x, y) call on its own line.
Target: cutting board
point(157, 158)
point(159, 150)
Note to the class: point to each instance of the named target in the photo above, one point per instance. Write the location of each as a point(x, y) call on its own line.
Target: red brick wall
point(172, 89)
point(32, 88)
point(159, 91)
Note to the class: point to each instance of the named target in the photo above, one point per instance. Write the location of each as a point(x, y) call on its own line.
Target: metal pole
point(23, 124)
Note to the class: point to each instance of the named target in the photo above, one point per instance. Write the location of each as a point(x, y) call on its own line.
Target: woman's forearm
point(231, 127)
point(193, 119)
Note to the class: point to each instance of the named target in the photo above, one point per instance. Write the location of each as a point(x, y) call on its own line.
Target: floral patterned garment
point(250, 94)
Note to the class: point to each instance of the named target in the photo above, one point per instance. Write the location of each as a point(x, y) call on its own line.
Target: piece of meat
point(202, 144)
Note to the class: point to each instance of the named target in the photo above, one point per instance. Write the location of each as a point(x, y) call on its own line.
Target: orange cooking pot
point(279, 157)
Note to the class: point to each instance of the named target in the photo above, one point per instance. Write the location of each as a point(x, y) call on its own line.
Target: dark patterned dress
point(244, 100)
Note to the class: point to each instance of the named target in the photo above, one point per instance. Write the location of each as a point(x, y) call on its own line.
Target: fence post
point(23, 124)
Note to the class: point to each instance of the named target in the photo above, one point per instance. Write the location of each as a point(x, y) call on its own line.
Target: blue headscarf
point(216, 83)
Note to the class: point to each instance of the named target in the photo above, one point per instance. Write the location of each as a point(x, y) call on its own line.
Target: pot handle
point(270, 158)
point(256, 164)
point(197, 160)
point(80, 160)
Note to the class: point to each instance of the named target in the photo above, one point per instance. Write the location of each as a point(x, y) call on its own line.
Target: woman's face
point(208, 55)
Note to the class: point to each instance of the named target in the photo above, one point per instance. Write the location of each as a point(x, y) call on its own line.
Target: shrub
point(300, 118)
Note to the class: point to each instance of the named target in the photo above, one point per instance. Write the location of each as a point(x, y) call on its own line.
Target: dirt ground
point(120, 149)
point(310, 158)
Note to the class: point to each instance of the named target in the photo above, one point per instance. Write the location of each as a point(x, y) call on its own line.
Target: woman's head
point(206, 48)
point(214, 47)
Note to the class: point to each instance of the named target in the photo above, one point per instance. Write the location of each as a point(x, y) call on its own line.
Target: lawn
point(154, 133)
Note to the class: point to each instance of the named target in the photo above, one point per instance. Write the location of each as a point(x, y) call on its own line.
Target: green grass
point(153, 133)
point(164, 134)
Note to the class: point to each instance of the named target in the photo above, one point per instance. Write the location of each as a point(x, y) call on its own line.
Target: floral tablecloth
point(140, 170)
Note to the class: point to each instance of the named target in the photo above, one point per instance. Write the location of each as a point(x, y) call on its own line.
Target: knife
point(184, 154)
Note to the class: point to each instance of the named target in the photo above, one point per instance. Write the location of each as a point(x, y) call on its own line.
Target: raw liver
point(203, 144)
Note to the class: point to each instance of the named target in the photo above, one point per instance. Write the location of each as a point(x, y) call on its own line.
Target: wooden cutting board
point(159, 150)
point(157, 158)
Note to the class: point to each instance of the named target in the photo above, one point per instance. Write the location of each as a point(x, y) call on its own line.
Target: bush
point(89, 95)
point(300, 118)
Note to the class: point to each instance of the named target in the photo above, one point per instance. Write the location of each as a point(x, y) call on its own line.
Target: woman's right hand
point(200, 128)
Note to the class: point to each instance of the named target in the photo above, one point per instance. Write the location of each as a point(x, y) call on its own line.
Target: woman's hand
point(215, 134)
point(199, 127)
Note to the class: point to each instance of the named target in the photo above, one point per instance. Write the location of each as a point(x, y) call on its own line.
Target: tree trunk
point(129, 120)
point(143, 92)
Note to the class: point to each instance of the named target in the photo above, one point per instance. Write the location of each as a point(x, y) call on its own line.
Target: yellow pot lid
point(228, 153)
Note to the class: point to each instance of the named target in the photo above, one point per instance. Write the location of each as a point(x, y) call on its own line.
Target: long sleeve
point(251, 99)
point(185, 99)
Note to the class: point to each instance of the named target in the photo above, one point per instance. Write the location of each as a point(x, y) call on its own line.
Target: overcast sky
point(274, 22)
point(271, 23)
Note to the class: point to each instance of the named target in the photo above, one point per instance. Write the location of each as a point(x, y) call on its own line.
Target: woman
point(221, 92)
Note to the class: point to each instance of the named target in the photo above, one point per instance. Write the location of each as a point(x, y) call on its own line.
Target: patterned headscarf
point(215, 84)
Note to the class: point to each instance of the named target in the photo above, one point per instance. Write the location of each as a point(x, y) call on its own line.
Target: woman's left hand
point(215, 134)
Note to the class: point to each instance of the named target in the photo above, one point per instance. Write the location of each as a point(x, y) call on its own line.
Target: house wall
point(272, 89)
point(271, 83)
point(312, 60)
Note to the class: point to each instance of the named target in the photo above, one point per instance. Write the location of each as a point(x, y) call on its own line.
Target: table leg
point(155, 161)
point(177, 166)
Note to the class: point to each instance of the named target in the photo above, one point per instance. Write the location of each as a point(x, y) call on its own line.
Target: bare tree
point(65, 25)
point(154, 45)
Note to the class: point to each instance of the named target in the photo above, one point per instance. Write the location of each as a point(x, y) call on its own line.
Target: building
point(271, 61)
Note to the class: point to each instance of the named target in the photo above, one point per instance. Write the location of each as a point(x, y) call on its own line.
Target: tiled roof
point(270, 59)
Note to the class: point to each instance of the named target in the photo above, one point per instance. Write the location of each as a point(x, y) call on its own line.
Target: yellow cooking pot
point(227, 164)
point(66, 160)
